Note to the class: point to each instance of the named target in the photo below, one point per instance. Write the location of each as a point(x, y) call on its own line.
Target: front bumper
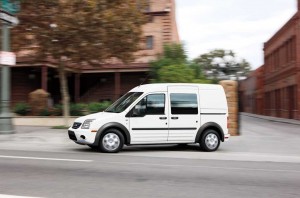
point(72, 135)
point(81, 136)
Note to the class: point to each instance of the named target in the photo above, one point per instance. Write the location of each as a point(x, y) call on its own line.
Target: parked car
point(158, 114)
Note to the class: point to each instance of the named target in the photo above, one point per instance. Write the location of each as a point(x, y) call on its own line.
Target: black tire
point(111, 141)
point(210, 140)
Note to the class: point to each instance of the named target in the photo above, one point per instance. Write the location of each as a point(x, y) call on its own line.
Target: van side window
point(182, 103)
point(153, 104)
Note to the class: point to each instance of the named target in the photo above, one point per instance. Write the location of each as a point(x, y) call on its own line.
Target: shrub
point(22, 109)
point(45, 112)
point(57, 110)
point(96, 107)
point(77, 109)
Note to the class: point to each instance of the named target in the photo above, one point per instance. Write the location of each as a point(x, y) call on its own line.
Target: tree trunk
point(64, 91)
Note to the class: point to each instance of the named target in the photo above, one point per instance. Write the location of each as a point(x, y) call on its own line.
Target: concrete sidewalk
point(58, 121)
point(41, 120)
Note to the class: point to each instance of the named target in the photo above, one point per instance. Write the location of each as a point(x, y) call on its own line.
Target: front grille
point(72, 135)
point(76, 125)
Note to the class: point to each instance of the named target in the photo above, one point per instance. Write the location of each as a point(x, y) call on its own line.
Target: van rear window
point(184, 103)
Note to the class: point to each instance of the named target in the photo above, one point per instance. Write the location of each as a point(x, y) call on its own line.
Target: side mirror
point(138, 111)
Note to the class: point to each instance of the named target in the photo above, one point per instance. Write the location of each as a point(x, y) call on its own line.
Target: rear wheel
point(210, 140)
point(111, 141)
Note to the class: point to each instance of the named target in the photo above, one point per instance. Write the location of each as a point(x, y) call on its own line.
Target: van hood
point(95, 116)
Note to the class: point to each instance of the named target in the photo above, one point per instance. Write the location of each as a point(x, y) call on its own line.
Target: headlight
point(86, 124)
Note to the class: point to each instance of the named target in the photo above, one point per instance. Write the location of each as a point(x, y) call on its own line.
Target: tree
point(172, 66)
point(175, 74)
point(220, 64)
point(173, 54)
point(79, 32)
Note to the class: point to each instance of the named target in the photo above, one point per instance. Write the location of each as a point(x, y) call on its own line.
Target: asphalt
point(263, 162)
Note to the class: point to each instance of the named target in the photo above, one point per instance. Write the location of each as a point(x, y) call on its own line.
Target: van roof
point(164, 86)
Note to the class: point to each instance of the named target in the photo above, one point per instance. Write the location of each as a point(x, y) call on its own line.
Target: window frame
point(151, 44)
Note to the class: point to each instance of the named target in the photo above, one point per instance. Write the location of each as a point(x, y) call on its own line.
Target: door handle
point(174, 118)
point(163, 118)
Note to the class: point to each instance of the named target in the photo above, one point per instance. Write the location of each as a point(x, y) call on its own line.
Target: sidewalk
point(272, 119)
point(41, 121)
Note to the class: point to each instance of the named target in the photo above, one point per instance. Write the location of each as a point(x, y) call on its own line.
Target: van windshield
point(125, 101)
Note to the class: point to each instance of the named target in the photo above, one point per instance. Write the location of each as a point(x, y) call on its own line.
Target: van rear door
point(184, 114)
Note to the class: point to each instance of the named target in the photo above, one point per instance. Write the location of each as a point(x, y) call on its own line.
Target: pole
point(239, 105)
point(6, 126)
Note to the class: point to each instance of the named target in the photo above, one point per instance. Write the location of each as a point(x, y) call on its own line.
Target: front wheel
point(210, 140)
point(111, 141)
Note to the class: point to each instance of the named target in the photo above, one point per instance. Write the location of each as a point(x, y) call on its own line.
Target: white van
point(158, 114)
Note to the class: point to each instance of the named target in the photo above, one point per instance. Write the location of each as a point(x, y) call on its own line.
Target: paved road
point(263, 162)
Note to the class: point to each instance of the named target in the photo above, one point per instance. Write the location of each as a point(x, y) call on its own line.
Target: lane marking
point(209, 167)
point(44, 158)
point(14, 196)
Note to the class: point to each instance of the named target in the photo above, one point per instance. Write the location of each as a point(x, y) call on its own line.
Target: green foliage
point(173, 67)
point(77, 109)
point(57, 110)
point(176, 74)
point(96, 107)
point(45, 112)
point(173, 54)
point(60, 127)
point(221, 64)
point(22, 109)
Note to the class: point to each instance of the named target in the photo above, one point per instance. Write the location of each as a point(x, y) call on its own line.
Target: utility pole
point(7, 58)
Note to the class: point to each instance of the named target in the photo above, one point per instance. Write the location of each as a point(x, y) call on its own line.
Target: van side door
point(184, 113)
point(148, 120)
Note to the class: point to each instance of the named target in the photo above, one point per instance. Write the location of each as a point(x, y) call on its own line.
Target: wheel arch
point(210, 125)
point(113, 125)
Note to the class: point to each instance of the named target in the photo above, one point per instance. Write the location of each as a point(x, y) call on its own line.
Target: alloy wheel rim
point(211, 141)
point(111, 141)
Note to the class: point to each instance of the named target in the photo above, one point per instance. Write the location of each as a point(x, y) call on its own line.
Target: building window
point(149, 42)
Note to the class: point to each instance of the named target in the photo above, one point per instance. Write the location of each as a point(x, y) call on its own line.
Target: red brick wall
point(277, 88)
point(23, 81)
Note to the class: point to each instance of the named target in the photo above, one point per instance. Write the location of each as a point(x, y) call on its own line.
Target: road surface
point(263, 162)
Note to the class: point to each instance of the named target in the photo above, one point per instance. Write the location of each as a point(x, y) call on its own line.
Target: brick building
point(274, 88)
point(106, 82)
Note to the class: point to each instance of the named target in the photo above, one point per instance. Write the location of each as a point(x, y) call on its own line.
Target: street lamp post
point(8, 9)
point(5, 116)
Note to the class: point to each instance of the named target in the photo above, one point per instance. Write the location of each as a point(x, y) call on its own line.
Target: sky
point(239, 25)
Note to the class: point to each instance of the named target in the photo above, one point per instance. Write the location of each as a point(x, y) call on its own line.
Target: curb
point(272, 119)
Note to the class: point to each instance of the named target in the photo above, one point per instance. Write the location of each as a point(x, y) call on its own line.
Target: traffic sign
point(7, 58)
point(8, 18)
point(10, 6)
